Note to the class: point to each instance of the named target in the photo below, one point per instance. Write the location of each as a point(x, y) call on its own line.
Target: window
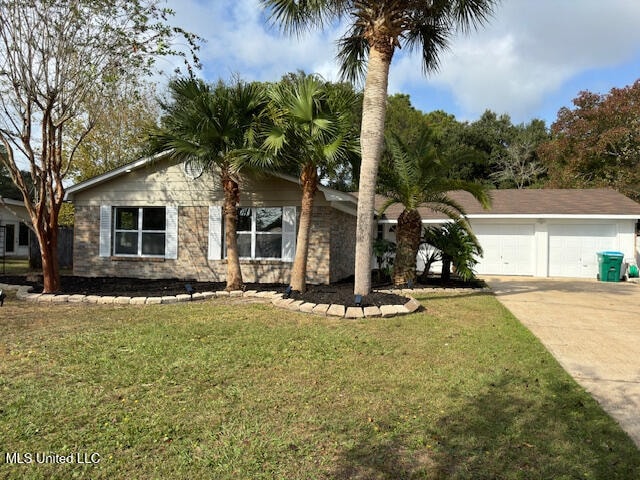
point(9, 238)
point(263, 233)
point(260, 232)
point(139, 231)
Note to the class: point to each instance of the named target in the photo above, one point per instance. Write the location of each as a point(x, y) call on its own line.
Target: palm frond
point(353, 52)
point(472, 14)
point(430, 38)
point(297, 17)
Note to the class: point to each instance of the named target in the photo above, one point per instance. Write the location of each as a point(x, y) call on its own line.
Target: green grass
point(14, 266)
point(232, 391)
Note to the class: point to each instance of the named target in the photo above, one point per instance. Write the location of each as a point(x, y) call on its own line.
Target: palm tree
point(310, 130)
point(456, 245)
point(417, 178)
point(377, 28)
point(209, 125)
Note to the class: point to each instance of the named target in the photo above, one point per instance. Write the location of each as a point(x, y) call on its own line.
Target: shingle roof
point(539, 202)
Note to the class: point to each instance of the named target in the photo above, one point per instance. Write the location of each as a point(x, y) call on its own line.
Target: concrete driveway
point(592, 328)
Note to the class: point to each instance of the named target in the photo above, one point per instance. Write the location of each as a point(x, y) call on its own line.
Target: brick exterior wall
point(331, 251)
point(343, 245)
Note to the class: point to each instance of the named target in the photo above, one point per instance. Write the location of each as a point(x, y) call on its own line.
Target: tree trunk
point(48, 241)
point(446, 269)
point(374, 106)
point(309, 180)
point(231, 200)
point(408, 241)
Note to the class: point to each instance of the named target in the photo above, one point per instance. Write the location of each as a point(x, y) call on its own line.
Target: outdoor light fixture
point(190, 290)
point(2, 297)
point(287, 292)
point(358, 300)
point(410, 283)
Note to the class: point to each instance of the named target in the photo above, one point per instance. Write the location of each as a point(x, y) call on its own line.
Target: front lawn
point(231, 390)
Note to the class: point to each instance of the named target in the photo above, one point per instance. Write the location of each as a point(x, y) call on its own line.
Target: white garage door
point(573, 248)
point(508, 249)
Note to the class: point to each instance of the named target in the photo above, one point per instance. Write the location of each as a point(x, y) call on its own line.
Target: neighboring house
point(544, 233)
point(14, 232)
point(154, 218)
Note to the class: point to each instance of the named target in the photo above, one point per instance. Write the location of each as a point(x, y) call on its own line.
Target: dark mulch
point(339, 293)
point(342, 294)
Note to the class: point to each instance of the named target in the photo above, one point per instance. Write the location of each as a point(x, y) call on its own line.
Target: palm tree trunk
point(445, 276)
point(309, 180)
point(231, 200)
point(374, 106)
point(408, 241)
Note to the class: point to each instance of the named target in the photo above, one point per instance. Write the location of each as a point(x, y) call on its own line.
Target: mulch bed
point(339, 293)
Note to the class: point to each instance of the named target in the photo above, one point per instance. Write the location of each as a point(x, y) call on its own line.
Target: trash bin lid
point(612, 254)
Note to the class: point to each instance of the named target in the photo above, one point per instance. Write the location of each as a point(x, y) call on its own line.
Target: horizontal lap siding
point(164, 183)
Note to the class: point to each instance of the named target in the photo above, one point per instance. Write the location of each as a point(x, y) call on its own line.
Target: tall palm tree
point(417, 178)
point(209, 125)
point(310, 130)
point(378, 27)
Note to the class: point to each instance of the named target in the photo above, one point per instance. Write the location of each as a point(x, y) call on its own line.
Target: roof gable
point(336, 197)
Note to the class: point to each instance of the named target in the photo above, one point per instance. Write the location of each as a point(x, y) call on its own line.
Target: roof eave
point(331, 195)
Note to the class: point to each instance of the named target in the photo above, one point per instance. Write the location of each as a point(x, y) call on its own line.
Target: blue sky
point(533, 58)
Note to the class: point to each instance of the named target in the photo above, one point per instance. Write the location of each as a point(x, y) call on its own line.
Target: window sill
point(258, 261)
point(136, 259)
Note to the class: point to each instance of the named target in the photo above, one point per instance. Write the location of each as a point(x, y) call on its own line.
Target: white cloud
point(531, 49)
point(240, 42)
point(527, 52)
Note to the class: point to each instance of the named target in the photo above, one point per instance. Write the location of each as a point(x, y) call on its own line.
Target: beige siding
point(14, 213)
point(164, 183)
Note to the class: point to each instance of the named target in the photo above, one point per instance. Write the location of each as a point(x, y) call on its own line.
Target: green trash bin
point(609, 264)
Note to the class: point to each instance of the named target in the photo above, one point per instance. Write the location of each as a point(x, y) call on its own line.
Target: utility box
point(609, 265)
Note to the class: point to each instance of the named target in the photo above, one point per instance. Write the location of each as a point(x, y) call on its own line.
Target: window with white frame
point(259, 232)
point(139, 231)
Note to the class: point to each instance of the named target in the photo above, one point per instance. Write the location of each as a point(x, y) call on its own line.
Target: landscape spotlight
point(358, 300)
point(190, 290)
point(287, 292)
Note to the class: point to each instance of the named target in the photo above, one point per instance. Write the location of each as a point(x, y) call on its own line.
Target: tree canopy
point(491, 149)
point(57, 57)
point(597, 143)
point(118, 134)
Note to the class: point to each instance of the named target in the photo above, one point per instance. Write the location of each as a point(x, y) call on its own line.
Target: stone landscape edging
point(277, 299)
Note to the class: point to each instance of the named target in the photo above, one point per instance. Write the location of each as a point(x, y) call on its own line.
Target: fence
point(65, 249)
point(2, 245)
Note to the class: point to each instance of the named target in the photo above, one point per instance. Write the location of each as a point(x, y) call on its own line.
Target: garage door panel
point(508, 249)
point(573, 248)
